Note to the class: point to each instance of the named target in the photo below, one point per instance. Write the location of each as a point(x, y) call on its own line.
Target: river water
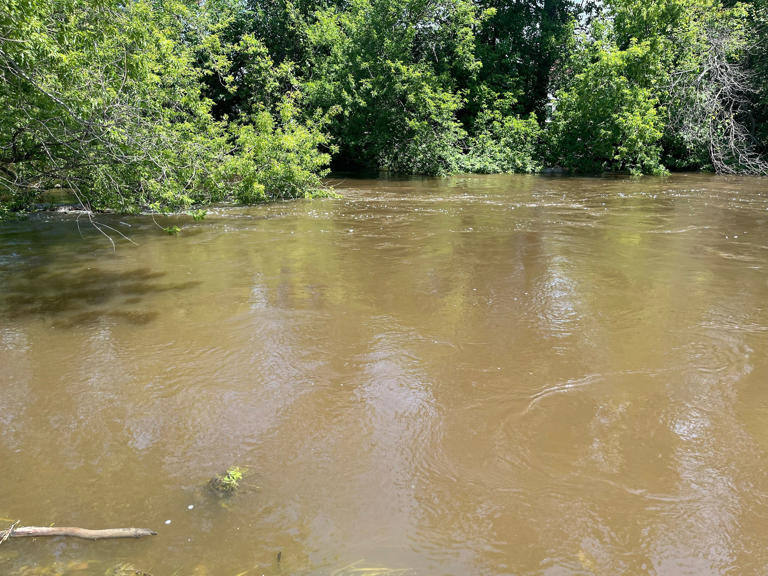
point(465, 376)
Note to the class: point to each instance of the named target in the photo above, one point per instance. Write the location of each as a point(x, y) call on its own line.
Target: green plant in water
point(226, 484)
point(172, 230)
point(198, 215)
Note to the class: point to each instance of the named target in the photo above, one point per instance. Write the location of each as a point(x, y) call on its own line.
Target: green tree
point(521, 45)
point(104, 99)
point(502, 141)
point(704, 81)
point(167, 104)
point(758, 66)
point(390, 69)
point(606, 117)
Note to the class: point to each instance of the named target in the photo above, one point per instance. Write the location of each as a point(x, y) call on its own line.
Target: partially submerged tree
point(660, 82)
point(156, 104)
point(606, 116)
point(392, 71)
point(104, 100)
point(704, 84)
point(710, 106)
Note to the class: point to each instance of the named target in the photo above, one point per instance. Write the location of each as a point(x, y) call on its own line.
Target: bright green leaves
point(173, 104)
point(106, 100)
point(606, 118)
point(699, 72)
point(392, 69)
point(660, 81)
point(503, 141)
point(275, 159)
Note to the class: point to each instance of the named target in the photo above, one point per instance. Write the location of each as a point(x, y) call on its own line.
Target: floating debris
point(226, 484)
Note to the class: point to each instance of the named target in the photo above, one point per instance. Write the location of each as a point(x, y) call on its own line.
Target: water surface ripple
point(507, 375)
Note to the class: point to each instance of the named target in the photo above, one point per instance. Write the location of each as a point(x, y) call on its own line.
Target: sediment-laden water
point(468, 376)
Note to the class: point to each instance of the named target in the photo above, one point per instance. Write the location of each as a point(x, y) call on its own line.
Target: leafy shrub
point(389, 68)
point(107, 101)
point(605, 119)
point(503, 143)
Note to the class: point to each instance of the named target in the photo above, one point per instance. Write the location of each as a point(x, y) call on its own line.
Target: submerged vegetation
point(133, 105)
point(227, 484)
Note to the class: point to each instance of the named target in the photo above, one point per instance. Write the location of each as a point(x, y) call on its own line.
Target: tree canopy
point(165, 104)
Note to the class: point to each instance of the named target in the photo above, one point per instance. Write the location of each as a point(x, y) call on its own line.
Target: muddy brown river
point(507, 375)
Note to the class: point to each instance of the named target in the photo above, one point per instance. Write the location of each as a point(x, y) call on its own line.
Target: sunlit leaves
point(105, 100)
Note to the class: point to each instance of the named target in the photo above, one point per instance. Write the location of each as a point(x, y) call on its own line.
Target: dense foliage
point(165, 104)
point(758, 65)
point(606, 116)
point(105, 99)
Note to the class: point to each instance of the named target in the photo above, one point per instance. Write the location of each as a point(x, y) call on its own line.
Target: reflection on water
point(475, 375)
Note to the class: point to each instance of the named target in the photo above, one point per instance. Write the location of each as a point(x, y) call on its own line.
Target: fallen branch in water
point(8, 532)
point(35, 531)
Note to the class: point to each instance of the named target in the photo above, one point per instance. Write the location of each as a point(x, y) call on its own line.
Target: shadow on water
point(80, 296)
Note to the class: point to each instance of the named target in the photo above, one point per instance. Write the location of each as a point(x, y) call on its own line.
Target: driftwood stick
point(34, 531)
point(7, 533)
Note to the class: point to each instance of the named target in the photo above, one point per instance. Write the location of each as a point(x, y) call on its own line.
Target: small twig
point(114, 230)
point(8, 533)
point(97, 227)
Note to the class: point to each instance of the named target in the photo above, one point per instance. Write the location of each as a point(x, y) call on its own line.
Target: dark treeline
point(165, 104)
